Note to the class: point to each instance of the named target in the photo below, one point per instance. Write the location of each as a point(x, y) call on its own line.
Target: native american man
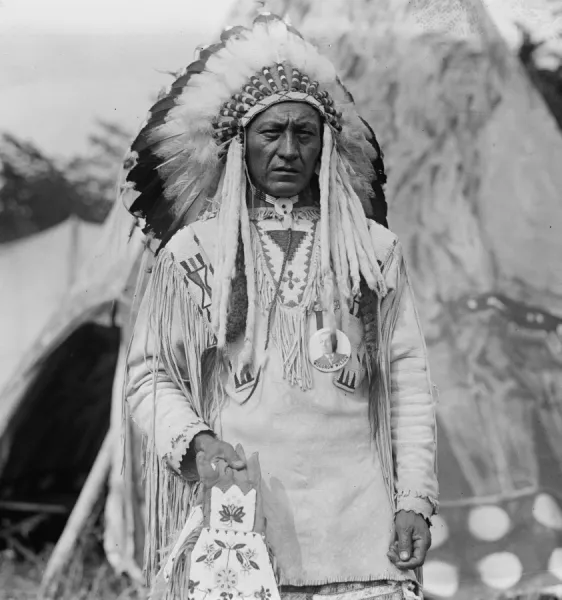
point(265, 188)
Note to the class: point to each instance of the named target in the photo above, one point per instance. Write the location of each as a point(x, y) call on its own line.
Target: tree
point(94, 175)
point(34, 192)
point(37, 192)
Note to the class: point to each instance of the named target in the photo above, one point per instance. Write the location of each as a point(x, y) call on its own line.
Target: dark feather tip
point(206, 53)
point(236, 31)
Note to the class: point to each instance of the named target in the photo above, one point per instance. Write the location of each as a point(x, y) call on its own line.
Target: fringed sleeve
point(165, 395)
point(412, 414)
point(159, 383)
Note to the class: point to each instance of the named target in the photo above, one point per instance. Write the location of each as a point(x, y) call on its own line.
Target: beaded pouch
point(230, 559)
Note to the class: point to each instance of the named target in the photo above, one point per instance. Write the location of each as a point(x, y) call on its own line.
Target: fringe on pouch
point(289, 325)
point(177, 586)
point(169, 497)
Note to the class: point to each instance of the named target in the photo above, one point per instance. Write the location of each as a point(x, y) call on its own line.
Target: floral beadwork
point(231, 565)
point(232, 509)
point(226, 579)
point(231, 513)
point(263, 594)
point(244, 554)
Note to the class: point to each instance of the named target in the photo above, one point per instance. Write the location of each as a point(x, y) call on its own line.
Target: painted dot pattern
point(492, 549)
point(501, 570)
point(488, 523)
point(440, 579)
point(547, 512)
point(555, 563)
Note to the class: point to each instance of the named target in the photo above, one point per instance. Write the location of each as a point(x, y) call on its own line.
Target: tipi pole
point(82, 510)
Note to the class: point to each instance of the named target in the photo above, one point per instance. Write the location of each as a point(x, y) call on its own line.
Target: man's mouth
point(285, 170)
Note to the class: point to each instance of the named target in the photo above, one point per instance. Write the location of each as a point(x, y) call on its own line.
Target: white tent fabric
point(36, 273)
point(96, 283)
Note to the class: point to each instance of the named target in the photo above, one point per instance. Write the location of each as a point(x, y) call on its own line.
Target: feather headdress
point(190, 154)
point(176, 161)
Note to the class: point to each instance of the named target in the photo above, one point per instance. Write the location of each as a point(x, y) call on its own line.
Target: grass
point(88, 576)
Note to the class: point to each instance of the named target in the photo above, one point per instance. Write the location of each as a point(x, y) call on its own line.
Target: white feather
point(188, 129)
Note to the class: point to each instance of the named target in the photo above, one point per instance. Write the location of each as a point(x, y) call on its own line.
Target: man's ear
point(317, 167)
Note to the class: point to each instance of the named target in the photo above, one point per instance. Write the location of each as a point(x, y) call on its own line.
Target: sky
point(64, 63)
point(111, 16)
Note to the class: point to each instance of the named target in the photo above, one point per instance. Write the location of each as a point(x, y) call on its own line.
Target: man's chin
point(284, 190)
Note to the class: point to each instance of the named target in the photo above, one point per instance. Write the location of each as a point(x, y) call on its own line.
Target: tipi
point(61, 411)
point(474, 177)
point(45, 266)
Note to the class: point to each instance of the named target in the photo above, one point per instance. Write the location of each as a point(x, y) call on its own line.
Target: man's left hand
point(411, 542)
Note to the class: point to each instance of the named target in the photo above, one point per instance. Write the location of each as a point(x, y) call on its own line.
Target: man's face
point(326, 343)
point(283, 145)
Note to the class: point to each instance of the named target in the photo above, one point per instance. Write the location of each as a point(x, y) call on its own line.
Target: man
point(331, 359)
point(258, 175)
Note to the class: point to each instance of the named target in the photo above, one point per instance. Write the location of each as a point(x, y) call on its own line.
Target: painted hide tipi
point(474, 164)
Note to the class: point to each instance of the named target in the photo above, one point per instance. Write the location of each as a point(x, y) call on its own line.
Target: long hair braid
point(238, 308)
point(368, 302)
point(369, 316)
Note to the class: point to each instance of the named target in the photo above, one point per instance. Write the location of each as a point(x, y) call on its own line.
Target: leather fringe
point(169, 497)
point(289, 331)
point(380, 387)
point(387, 311)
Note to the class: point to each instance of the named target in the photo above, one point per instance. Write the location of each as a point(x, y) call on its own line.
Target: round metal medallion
point(323, 356)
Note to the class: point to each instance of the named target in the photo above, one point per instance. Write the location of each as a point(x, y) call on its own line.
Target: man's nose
point(289, 146)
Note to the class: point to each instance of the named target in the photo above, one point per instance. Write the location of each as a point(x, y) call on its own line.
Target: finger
point(404, 543)
point(393, 552)
point(241, 477)
point(410, 564)
point(421, 547)
point(392, 555)
point(231, 457)
point(206, 469)
point(417, 559)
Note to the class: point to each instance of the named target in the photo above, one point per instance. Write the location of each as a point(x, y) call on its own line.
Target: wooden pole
point(73, 254)
point(82, 510)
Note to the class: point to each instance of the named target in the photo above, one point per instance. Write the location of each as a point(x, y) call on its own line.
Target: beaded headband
point(264, 90)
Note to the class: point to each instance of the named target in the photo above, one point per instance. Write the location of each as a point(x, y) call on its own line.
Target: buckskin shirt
point(329, 496)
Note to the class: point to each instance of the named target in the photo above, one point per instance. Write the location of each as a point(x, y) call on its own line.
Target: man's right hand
point(214, 449)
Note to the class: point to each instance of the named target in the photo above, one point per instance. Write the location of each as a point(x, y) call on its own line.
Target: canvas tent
point(36, 272)
point(474, 165)
point(64, 399)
